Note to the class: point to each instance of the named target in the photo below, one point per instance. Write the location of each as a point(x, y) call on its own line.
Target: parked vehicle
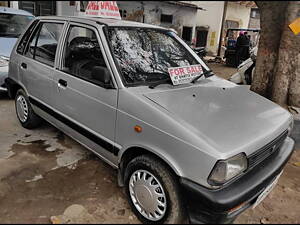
point(231, 36)
point(12, 23)
point(204, 150)
point(245, 70)
point(200, 51)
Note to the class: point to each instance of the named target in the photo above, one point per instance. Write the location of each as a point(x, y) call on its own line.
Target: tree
point(277, 71)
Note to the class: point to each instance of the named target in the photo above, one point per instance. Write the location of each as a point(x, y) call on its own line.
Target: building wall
point(63, 8)
point(211, 18)
point(254, 21)
point(147, 12)
point(14, 4)
point(182, 16)
point(238, 13)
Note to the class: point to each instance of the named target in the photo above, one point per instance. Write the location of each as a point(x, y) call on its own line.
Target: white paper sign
point(104, 9)
point(185, 74)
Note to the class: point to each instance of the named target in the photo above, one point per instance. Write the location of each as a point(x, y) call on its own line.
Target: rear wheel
point(153, 191)
point(25, 113)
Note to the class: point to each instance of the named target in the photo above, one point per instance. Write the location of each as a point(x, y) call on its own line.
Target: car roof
point(104, 21)
point(14, 11)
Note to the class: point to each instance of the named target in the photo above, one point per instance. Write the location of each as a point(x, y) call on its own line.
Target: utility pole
point(222, 26)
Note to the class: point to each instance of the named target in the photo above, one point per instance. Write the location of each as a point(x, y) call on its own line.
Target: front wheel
point(153, 191)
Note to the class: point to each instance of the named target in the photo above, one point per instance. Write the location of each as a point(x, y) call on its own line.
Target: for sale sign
point(185, 74)
point(104, 9)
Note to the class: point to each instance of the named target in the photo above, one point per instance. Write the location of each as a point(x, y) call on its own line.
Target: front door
point(89, 108)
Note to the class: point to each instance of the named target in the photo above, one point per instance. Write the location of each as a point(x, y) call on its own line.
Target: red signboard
point(104, 9)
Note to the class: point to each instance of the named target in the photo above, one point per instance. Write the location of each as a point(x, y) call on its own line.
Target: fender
point(155, 152)
point(12, 87)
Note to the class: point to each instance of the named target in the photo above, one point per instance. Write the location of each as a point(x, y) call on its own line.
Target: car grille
point(266, 151)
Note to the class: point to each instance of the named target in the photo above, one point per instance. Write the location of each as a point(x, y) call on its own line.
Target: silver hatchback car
point(201, 151)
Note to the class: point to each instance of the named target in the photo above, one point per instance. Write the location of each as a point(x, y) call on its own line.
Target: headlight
point(290, 129)
point(225, 170)
point(3, 61)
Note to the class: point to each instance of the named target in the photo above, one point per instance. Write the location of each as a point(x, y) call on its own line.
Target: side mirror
point(102, 76)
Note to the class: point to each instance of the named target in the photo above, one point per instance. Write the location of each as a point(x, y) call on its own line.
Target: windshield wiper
point(164, 81)
point(206, 73)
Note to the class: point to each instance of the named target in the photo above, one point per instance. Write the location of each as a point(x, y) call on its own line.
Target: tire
point(22, 103)
point(175, 211)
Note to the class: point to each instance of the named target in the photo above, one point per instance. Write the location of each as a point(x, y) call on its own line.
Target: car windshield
point(12, 25)
point(144, 55)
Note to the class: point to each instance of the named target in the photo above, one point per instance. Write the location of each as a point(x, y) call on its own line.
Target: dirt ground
point(43, 172)
point(222, 70)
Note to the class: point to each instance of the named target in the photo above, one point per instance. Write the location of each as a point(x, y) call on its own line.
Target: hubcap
point(22, 108)
point(147, 195)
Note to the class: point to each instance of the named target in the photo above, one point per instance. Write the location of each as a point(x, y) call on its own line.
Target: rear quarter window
point(25, 38)
point(43, 44)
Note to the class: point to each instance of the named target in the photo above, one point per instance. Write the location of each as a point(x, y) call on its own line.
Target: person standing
point(242, 48)
point(248, 42)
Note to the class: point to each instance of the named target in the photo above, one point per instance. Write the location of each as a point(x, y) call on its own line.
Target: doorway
point(201, 38)
point(187, 34)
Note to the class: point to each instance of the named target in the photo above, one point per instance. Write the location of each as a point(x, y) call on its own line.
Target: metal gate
point(39, 8)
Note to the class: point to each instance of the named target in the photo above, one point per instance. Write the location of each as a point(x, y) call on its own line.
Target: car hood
point(6, 45)
point(229, 117)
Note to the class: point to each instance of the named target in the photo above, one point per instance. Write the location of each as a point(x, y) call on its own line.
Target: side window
point(82, 55)
point(44, 43)
point(25, 38)
point(31, 45)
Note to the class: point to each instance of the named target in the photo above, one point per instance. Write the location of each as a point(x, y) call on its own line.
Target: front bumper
point(217, 206)
point(3, 76)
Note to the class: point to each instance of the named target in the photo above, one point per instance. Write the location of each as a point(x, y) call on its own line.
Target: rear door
point(36, 66)
point(86, 106)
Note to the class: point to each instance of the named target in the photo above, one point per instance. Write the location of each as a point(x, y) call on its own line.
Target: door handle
point(24, 65)
point(62, 83)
